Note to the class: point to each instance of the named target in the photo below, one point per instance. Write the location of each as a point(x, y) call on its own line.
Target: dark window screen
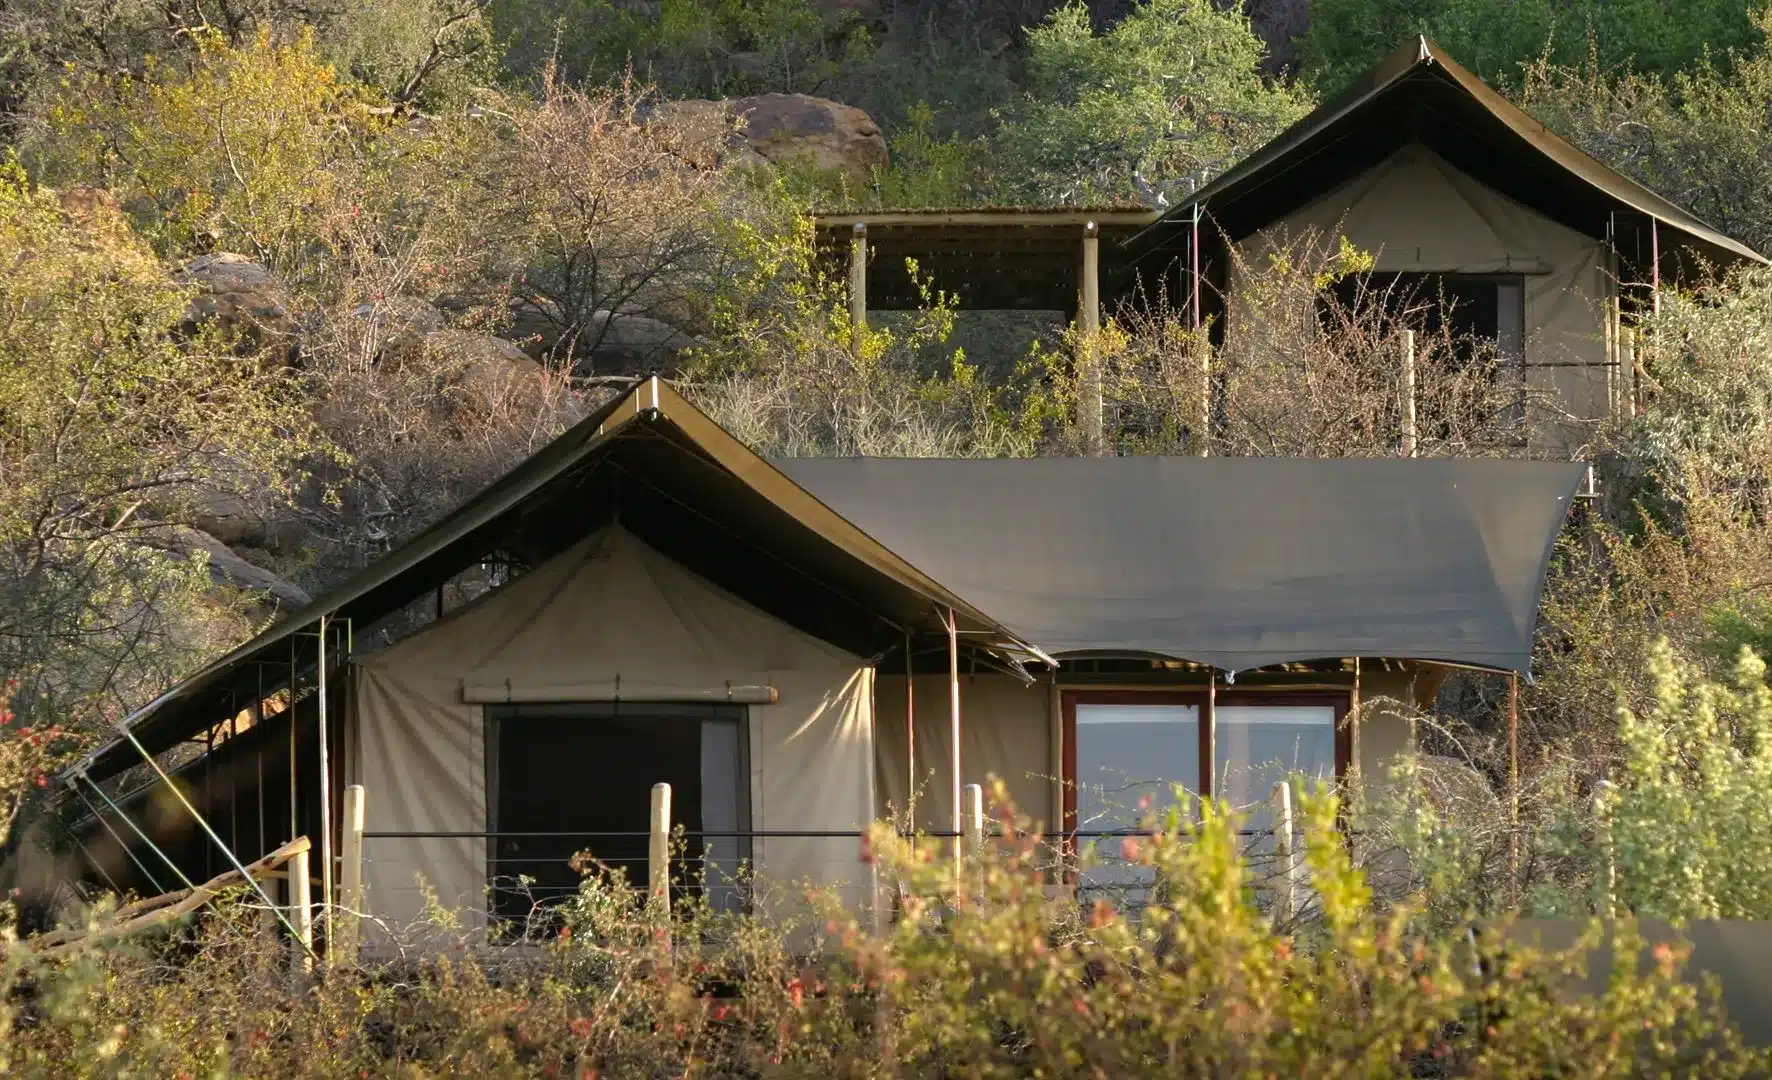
point(1468, 306)
point(587, 770)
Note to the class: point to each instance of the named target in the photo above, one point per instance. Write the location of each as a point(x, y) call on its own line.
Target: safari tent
point(1457, 193)
point(799, 647)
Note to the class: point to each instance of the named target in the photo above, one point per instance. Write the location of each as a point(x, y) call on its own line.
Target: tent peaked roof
point(653, 462)
point(1419, 93)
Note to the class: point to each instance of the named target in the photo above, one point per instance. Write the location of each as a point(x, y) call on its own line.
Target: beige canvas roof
point(1419, 93)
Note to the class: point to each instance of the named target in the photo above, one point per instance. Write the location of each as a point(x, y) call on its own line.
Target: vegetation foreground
point(988, 979)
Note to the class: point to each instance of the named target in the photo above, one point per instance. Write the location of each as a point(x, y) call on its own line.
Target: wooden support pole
point(910, 734)
point(1089, 392)
point(1209, 736)
point(954, 723)
point(1513, 787)
point(1627, 366)
point(347, 925)
point(858, 285)
point(326, 895)
point(1409, 432)
point(1608, 899)
point(974, 794)
point(1286, 892)
point(658, 862)
point(302, 910)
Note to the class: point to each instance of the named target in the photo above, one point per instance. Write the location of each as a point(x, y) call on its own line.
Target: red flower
point(43, 781)
point(581, 1027)
point(797, 991)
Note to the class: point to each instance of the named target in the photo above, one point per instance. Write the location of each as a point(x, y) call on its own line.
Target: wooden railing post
point(1409, 432)
point(302, 910)
point(974, 818)
point(346, 925)
point(658, 862)
point(1286, 892)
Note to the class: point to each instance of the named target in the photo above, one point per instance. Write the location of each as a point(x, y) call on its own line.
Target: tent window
point(1477, 311)
point(1124, 746)
point(584, 772)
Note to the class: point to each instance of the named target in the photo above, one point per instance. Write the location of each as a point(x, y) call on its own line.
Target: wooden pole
point(1286, 892)
point(303, 910)
point(954, 723)
point(289, 714)
point(1603, 828)
point(350, 886)
point(658, 862)
point(1409, 433)
point(1513, 786)
point(1209, 736)
point(858, 285)
point(910, 734)
point(1655, 265)
point(975, 828)
point(1089, 392)
point(326, 896)
point(1627, 365)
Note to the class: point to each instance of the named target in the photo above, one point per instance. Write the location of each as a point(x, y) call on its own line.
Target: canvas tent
point(766, 616)
point(607, 619)
point(1441, 178)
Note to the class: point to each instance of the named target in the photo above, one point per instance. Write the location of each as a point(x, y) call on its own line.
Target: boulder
point(780, 129)
point(386, 320)
point(244, 299)
point(226, 567)
point(476, 372)
point(609, 344)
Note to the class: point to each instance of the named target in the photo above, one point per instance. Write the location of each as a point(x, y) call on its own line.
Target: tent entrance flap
point(547, 808)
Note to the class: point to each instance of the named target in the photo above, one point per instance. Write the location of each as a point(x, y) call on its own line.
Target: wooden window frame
point(1339, 700)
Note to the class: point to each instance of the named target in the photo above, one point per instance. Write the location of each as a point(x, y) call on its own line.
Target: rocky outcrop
point(477, 373)
point(241, 297)
point(609, 344)
point(780, 129)
point(226, 567)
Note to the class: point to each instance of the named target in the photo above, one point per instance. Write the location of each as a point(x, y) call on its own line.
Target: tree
point(117, 424)
point(1160, 102)
point(1498, 38)
point(1696, 136)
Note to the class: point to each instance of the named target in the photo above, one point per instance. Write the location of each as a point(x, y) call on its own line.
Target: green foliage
point(1497, 38)
point(931, 172)
point(1686, 822)
point(1696, 136)
point(1167, 97)
point(979, 974)
point(687, 48)
point(783, 369)
point(117, 422)
point(231, 152)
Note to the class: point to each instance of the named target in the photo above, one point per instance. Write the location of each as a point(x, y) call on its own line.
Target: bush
point(980, 975)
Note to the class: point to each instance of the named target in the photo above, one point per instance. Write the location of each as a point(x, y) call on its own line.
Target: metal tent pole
point(954, 723)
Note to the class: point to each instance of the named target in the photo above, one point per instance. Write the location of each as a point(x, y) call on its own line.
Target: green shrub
point(985, 972)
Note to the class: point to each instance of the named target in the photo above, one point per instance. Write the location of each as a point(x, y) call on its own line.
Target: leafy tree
point(1697, 136)
point(1496, 38)
point(117, 423)
point(1161, 101)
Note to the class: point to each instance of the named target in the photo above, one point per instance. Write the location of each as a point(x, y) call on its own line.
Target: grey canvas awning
point(1234, 562)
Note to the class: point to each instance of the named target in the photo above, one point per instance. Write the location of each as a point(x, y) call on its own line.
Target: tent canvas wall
point(608, 618)
point(1416, 213)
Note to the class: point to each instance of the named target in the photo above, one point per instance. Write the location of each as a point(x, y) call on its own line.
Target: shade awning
point(1238, 563)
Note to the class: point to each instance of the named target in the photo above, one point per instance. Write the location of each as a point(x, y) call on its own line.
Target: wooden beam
point(1005, 219)
point(1089, 393)
point(858, 285)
